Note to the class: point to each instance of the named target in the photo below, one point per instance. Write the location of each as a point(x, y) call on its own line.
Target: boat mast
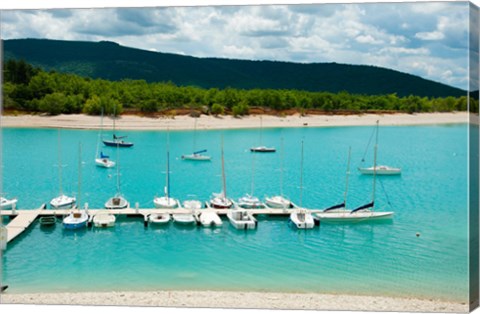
point(195, 136)
point(223, 176)
point(375, 167)
point(167, 186)
point(301, 176)
point(281, 167)
point(118, 169)
point(347, 175)
point(59, 164)
point(253, 175)
point(79, 174)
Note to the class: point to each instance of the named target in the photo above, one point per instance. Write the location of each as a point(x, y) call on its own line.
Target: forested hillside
point(30, 89)
point(110, 61)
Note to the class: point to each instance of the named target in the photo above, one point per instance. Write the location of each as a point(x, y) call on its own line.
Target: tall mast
point(195, 136)
point(281, 167)
point(347, 175)
point(223, 175)
point(375, 165)
point(79, 174)
point(59, 164)
point(167, 186)
point(253, 175)
point(301, 176)
point(118, 169)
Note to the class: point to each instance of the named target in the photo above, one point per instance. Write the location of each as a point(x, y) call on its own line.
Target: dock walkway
point(22, 221)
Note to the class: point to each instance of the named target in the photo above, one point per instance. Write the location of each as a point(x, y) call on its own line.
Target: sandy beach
point(239, 300)
point(131, 122)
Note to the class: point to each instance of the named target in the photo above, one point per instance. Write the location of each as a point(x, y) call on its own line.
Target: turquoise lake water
point(430, 197)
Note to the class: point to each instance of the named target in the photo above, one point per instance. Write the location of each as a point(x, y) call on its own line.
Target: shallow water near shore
point(365, 258)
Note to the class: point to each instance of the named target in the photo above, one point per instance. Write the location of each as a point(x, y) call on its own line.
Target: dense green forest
point(30, 89)
point(113, 62)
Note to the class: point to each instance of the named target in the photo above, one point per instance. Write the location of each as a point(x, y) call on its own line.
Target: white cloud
point(426, 39)
point(435, 35)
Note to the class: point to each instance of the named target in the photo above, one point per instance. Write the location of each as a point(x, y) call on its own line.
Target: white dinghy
point(241, 219)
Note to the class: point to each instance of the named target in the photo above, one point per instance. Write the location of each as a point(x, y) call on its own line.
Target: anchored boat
point(104, 220)
point(241, 219)
point(75, 220)
point(7, 203)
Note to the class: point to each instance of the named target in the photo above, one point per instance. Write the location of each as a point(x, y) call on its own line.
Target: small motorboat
point(63, 202)
point(381, 170)
point(210, 219)
point(278, 202)
point(184, 219)
point(242, 219)
point(104, 220)
point(75, 220)
point(159, 219)
point(302, 219)
point(263, 149)
point(48, 221)
point(7, 203)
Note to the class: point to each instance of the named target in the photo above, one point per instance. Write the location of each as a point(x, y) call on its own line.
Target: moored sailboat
point(220, 200)
point(117, 201)
point(117, 141)
point(102, 160)
point(300, 217)
point(379, 169)
point(339, 213)
point(62, 201)
point(197, 155)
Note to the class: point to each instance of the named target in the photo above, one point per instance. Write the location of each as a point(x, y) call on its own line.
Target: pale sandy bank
point(242, 300)
point(129, 122)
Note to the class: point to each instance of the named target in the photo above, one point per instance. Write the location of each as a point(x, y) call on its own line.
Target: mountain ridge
point(111, 61)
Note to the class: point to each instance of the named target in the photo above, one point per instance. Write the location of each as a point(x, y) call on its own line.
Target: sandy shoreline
point(130, 122)
point(239, 300)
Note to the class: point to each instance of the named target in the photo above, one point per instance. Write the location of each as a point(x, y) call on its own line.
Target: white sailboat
point(300, 217)
point(220, 200)
point(166, 201)
point(262, 148)
point(102, 160)
point(62, 201)
point(78, 218)
point(197, 155)
point(117, 201)
point(379, 169)
point(279, 201)
point(339, 213)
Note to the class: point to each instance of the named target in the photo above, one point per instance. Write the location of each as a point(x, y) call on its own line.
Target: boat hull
point(104, 221)
point(159, 219)
point(384, 171)
point(348, 216)
point(7, 204)
point(278, 202)
point(105, 163)
point(302, 220)
point(62, 202)
point(75, 221)
point(196, 157)
point(241, 220)
point(116, 202)
point(165, 203)
point(48, 221)
point(117, 143)
point(210, 220)
point(262, 150)
point(184, 219)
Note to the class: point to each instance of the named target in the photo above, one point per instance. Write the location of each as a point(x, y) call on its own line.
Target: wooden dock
point(23, 218)
point(22, 221)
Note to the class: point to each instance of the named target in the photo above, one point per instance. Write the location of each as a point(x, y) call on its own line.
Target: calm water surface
point(364, 258)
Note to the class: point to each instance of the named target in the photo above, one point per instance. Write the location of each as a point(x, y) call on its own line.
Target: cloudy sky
point(425, 39)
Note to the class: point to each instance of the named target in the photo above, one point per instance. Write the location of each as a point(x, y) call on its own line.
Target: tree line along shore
point(30, 89)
